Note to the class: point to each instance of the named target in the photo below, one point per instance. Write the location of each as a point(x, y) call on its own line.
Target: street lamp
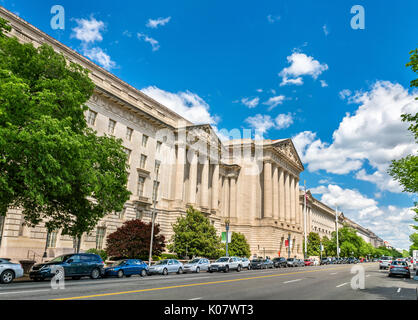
point(227, 232)
point(152, 224)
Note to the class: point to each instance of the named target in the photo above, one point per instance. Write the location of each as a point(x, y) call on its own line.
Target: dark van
point(75, 265)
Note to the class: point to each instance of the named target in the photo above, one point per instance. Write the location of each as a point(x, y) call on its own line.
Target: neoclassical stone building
point(252, 184)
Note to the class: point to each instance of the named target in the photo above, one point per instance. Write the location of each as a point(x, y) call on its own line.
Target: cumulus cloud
point(374, 134)
point(323, 83)
point(325, 29)
point(250, 103)
point(391, 223)
point(263, 123)
point(88, 31)
point(344, 94)
point(155, 23)
point(98, 55)
point(274, 102)
point(272, 19)
point(301, 65)
point(187, 104)
point(154, 43)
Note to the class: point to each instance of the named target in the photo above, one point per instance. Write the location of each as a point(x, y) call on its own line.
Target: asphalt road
point(331, 282)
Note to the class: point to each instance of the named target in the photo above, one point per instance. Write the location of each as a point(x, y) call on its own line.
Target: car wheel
point(165, 272)
point(143, 273)
point(197, 270)
point(120, 274)
point(95, 274)
point(210, 271)
point(390, 275)
point(226, 269)
point(7, 276)
point(180, 271)
point(238, 268)
point(249, 267)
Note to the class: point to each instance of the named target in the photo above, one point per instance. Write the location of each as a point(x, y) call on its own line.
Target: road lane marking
point(193, 284)
point(292, 281)
point(29, 291)
point(399, 290)
point(196, 298)
point(342, 284)
point(333, 273)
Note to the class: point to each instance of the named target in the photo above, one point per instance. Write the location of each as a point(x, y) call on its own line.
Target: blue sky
point(283, 68)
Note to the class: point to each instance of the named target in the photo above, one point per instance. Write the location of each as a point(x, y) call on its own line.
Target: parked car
point(75, 265)
point(308, 262)
point(268, 264)
point(246, 263)
point(385, 262)
point(325, 261)
point(257, 263)
point(351, 260)
point(197, 265)
point(280, 262)
point(166, 266)
point(225, 264)
point(127, 267)
point(9, 271)
point(400, 268)
point(300, 263)
point(291, 262)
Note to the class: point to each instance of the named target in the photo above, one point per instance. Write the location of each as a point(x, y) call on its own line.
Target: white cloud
point(98, 55)
point(154, 43)
point(323, 83)
point(374, 134)
point(274, 101)
point(390, 223)
point(154, 23)
point(187, 104)
point(250, 103)
point(88, 31)
point(127, 33)
point(272, 18)
point(259, 90)
point(325, 29)
point(301, 65)
point(263, 123)
point(344, 94)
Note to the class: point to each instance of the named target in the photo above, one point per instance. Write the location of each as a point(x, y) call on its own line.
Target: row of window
point(100, 234)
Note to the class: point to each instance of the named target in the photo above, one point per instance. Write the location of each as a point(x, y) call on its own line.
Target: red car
point(308, 262)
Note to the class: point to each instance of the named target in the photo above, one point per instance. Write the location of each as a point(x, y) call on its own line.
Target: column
point(282, 208)
point(297, 205)
point(215, 187)
point(181, 162)
point(287, 196)
point(276, 208)
point(226, 197)
point(193, 179)
point(233, 197)
point(205, 184)
point(292, 200)
point(268, 190)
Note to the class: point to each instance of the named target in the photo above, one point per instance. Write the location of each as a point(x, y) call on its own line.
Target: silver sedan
point(197, 265)
point(9, 271)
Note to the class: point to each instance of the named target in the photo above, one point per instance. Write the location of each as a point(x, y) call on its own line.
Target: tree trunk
point(78, 243)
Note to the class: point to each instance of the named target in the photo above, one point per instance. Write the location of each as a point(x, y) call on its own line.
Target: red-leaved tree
point(132, 240)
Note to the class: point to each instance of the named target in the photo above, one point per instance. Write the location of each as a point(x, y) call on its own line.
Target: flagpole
point(304, 221)
point(336, 226)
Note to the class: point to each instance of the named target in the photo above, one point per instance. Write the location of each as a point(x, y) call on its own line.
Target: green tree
point(239, 246)
point(51, 164)
point(405, 170)
point(194, 235)
point(313, 244)
point(414, 240)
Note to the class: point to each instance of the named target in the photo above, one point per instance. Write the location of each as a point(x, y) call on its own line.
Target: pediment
point(288, 150)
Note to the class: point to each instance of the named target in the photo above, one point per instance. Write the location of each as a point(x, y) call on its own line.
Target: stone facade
point(253, 185)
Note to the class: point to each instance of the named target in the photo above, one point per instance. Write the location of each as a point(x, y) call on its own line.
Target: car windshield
point(290, 259)
point(222, 260)
point(122, 262)
point(386, 258)
point(162, 262)
point(194, 261)
point(62, 258)
point(399, 263)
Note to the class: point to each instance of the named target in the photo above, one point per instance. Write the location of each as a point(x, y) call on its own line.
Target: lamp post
point(304, 223)
point(152, 224)
point(227, 232)
point(336, 227)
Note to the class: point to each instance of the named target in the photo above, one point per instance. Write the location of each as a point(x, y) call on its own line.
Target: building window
point(159, 144)
point(155, 190)
point(121, 214)
point(129, 132)
point(139, 214)
point(144, 141)
point(91, 117)
point(141, 184)
point(100, 233)
point(128, 154)
point(111, 126)
point(51, 239)
point(157, 169)
point(143, 162)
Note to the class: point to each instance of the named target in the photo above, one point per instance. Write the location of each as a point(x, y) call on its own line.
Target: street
point(331, 282)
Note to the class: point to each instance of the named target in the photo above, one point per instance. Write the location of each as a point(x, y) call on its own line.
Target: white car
point(245, 263)
point(9, 271)
point(385, 262)
point(225, 264)
point(197, 265)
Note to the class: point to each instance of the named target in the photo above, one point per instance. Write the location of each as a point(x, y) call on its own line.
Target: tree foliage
point(313, 246)
point(51, 164)
point(239, 246)
point(132, 241)
point(194, 235)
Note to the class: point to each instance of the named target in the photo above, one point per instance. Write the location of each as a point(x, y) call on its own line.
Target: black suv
point(75, 265)
point(280, 262)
